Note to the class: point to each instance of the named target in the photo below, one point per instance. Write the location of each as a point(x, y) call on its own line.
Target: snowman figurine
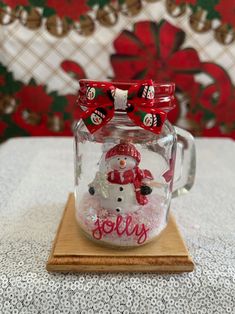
point(127, 186)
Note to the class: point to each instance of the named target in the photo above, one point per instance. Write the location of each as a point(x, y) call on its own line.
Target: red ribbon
point(145, 102)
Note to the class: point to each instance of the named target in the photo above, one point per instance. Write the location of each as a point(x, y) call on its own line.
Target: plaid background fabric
point(34, 56)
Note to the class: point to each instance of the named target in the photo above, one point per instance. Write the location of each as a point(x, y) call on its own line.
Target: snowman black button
point(119, 199)
point(118, 209)
point(121, 188)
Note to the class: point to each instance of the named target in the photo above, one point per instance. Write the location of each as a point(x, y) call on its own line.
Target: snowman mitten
point(145, 190)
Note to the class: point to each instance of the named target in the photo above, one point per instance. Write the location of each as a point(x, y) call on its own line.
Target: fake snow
point(123, 230)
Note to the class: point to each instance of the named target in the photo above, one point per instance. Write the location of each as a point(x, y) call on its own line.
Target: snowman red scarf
point(134, 176)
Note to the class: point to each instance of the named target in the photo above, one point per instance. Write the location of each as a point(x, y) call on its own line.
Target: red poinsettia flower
point(34, 98)
point(218, 96)
point(14, 3)
point(226, 9)
point(153, 51)
point(69, 8)
point(32, 110)
point(226, 113)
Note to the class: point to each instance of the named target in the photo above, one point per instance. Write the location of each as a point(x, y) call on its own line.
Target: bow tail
point(150, 119)
point(96, 117)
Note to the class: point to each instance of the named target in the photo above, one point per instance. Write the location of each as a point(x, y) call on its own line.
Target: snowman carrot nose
point(122, 162)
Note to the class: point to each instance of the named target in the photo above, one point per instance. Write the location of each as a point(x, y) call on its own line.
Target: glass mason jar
point(129, 161)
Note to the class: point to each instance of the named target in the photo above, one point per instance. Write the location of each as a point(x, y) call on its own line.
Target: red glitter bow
point(145, 102)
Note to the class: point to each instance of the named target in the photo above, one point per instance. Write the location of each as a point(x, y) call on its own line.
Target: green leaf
point(11, 86)
point(47, 12)
point(101, 3)
point(140, 75)
point(2, 69)
point(15, 87)
point(69, 20)
point(207, 5)
point(53, 94)
point(26, 8)
point(37, 3)
point(208, 115)
point(82, 18)
point(12, 129)
point(32, 82)
point(59, 104)
point(2, 5)
point(67, 116)
point(213, 15)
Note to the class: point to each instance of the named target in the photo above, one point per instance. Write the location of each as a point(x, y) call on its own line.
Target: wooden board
point(73, 251)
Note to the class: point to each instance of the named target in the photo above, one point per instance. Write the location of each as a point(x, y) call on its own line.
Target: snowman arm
point(155, 184)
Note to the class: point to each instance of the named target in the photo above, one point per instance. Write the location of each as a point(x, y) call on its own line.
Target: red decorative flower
point(226, 9)
point(69, 8)
point(34, 98)
point(33, 108)
point(216, 101)
point(73, 69)
point(15, 3)
point(153, 51)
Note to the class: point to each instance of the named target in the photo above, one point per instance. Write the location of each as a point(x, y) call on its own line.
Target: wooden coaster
point(73, 251)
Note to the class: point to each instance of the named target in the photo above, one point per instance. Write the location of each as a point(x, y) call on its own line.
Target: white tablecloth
point(36, 175)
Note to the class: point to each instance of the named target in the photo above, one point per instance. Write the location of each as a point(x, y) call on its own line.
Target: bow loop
point(142, 93)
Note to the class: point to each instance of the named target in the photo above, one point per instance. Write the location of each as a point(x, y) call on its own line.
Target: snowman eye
point(125, 158)
point(118, 158)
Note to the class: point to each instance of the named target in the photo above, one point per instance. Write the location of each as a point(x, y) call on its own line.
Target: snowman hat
point(101, 112)
point(124, 149)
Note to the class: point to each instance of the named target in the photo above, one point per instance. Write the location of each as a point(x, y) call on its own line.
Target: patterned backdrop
point(47, 45)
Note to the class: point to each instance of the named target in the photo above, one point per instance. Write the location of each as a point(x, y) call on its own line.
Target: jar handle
point(185, 166)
